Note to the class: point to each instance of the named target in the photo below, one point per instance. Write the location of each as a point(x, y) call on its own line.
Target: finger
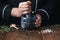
point(24, 3)
point(37, 22)
point(37, 25)
point(25, 6)
point(25, 12)
point(28, 10)
point(14, 26)
point(38, 16)
point(29, 3)
point(24, 9)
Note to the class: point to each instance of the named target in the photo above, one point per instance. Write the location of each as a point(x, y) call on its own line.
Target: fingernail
point(29, 2)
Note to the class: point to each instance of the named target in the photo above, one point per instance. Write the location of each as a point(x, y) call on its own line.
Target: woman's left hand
point(38, 20)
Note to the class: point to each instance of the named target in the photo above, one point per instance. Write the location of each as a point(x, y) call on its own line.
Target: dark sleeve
point(45, 9)
point(5, 10)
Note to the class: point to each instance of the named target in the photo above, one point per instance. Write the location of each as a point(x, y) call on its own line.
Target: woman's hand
point(23, 8)
point(38, 20)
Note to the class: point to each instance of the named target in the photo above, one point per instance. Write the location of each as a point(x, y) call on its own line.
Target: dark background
point(57, 12)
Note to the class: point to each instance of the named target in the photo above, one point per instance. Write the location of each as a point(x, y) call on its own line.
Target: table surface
point(30, 35)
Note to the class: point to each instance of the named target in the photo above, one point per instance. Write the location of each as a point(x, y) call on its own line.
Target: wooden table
point(30, 35)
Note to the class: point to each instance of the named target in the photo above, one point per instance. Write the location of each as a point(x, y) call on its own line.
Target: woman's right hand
point(23, 8)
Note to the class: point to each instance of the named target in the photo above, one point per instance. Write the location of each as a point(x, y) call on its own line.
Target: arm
point(46, 10)
point(14, 9)
point(5, 10)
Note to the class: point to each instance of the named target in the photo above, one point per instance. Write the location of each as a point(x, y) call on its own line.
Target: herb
point(5, 29)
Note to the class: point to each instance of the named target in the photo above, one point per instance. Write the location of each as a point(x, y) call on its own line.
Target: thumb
point(29, 2)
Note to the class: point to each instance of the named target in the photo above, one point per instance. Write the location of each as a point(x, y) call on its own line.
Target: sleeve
point(46, 11)
point(5, 11)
